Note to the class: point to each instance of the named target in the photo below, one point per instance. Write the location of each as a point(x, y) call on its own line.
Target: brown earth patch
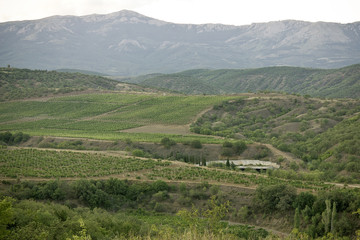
point(288, 127)
point(158, 128)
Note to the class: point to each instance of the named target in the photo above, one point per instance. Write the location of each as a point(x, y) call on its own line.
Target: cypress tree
point(326, 216)
point(333, 216)
point(297, 218)
point(227, 163)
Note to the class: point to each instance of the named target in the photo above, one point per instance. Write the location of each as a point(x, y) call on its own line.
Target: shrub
point(275, 197)
point(227, 152)
point(138, 153)
point(239, 147)
point(161, 196)
point(196, 144)
point(9, 138)
point(167, 142)
point(304, 199)
point(227, 144)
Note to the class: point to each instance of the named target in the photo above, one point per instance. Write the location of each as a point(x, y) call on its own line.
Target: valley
point(122, 158)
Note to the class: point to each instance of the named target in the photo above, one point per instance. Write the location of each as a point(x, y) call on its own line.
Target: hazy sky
point(236, 12)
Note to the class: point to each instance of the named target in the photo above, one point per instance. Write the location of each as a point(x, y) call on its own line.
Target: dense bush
point(236, 148)
point(196, 144)
point(38, 218)
point(275, 198)
point(167, 142)
point(13, 139)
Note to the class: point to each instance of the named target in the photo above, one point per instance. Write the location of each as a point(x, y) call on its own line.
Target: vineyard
point(19, 163)
point(103, 116)
point(220, 176)
point(32, 163)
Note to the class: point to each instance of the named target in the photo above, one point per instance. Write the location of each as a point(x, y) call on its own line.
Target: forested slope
point(343, 82)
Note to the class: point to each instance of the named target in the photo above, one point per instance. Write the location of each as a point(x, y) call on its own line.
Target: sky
point(233, 12)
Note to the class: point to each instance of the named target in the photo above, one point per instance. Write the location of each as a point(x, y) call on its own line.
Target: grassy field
point(103, 116)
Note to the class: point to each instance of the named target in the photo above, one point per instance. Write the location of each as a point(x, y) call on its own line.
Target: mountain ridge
point(126, 43)
point(334, 83)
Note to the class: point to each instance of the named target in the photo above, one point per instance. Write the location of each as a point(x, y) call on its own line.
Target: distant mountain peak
point(126, 12)
point(122, 16)
point(128, 43)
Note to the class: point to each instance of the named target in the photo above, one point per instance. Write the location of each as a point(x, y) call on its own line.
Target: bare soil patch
point(288, 127)
point(285, 155)
point(158, 128)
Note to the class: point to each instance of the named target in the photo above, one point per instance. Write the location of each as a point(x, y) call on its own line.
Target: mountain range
point(126, 43)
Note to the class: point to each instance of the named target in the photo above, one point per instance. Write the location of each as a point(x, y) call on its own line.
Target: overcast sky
point(235, 12)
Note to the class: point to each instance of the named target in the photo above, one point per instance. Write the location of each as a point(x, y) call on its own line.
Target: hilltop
point(25, 83)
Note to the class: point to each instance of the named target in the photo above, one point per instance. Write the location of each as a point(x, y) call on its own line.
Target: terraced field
point(104, 116)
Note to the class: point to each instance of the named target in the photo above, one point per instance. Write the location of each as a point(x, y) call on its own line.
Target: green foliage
point(64, 145)
point(52, 164)
point(82, 234)
point(48, 220)
point(304, 199)
point(326, 216)
point(326, 138)
point(13, 139)
point(167, 142)
point(239, 147)
point(138, 153)
point(275, 198)
point(227, 163)
point(6, 216)
point(36, 220)
point(216, 212)
point(231, 149)
point(297, 218)
point(196, 144)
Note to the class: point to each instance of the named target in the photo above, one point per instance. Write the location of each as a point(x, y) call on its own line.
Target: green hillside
point(323, 133)
point(102, 115)
point(24, 83)
point(87, 72)
point(121, 161)
point(181, 83)
point(343, 82)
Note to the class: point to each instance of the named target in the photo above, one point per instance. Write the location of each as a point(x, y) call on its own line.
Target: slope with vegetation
point(323, 133)
point(25, 83)
point(343, 82)
point(133, 196)
point(143, 187)
point(105, 115)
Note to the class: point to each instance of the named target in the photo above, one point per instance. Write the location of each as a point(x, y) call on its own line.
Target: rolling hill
point(25, 83)
point(342, 82)
point(101, 163)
